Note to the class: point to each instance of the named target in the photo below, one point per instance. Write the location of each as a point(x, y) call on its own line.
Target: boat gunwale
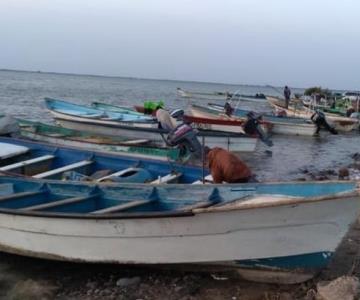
point(160, 131)
point(91, 152)
point(218, 208)
point(78, 138)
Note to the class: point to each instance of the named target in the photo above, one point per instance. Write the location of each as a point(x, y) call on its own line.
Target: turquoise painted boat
point(76, 110)
point(275, 232)
point(74, 138)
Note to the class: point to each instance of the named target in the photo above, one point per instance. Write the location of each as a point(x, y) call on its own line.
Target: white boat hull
point(235, 144)
point(277, 128)
point(214, 237)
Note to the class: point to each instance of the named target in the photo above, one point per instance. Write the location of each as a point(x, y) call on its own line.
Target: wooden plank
point(63, 169)
point(27, 162)
point(167, 178)
point(20, 195)
point(8, 150)
point(208, 179)
point(59, 203)
point(116, 174)
point(121, 207)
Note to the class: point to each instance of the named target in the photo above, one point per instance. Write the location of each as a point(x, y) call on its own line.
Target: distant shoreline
point(138, 78)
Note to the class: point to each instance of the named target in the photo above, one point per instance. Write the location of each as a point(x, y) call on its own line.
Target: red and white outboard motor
point(184, 137)
point(252, 126)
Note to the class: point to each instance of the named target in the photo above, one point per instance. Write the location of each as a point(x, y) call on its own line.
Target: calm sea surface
point(22, 93)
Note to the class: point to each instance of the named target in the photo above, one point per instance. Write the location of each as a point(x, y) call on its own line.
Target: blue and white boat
point(275, 232)
point(81, 113)
point(233, 141)
point(281, 125)
point(46, 161)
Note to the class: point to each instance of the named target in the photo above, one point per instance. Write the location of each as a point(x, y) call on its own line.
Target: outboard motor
point(185, 137)
point(319, 120)
point(177, 114)
point(252, 126)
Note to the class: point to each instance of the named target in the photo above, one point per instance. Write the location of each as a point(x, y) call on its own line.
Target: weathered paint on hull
point(131, 151)
point(339, 123)
point(254, 239)
point(240, 144)
point(278, 127)
point(103, 122)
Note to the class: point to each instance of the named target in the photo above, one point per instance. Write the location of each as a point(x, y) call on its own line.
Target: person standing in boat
point(227, 167)
point(287, 95)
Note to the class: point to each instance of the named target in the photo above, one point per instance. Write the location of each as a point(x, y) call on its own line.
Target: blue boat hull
point(64, 156)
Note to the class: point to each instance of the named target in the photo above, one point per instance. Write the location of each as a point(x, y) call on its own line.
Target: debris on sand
point(32, 290)
point(344, 288)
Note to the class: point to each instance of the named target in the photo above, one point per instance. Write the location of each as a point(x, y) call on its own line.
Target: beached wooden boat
point(339, 123)
point(278, 125)
point(235, 142)
point(67, 137)
point(276, 232)
point(41, 160)
point(81, 113)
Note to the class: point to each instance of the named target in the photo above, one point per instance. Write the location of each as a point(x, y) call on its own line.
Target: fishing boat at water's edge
point(280, 125)
point(275, 232)
point(41, 160)
point(74, 138)
point(340, 123)
point(236, 142)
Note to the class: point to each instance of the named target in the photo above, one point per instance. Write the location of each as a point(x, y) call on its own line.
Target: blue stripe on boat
point(310, 260)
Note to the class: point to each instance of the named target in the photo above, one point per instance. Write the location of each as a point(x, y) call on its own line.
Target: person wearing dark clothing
point(227, 167)
point(287, 95)
point(228, 109)
point(319, 120)
point(252, 127)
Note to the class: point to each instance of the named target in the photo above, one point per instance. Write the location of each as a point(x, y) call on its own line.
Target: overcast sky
point(296, 42)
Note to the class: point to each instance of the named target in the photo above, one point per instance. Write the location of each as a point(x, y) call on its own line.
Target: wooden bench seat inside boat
point(63, 169)
point(9, 150)
point(122, 207)
point(207, 178)
point(27, 162)
point(59, 203)
point(117, 174)
point(167, 178)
